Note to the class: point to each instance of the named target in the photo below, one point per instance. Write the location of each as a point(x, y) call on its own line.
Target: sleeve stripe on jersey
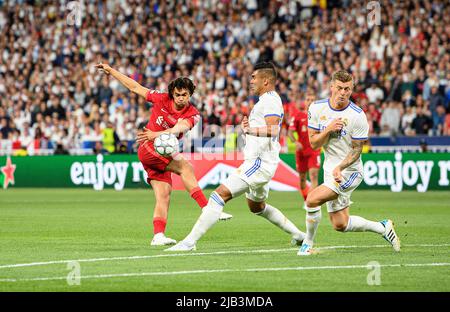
point(360, 138)
point(268, 115)
point(321, 101)
point(355, 108)
point(309, 126)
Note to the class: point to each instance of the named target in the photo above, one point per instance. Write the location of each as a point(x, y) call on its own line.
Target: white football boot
point(181, 246)
point(160, 240)
point(225, 216)
point(297, 240)
point(390, 235)
point(305, 249)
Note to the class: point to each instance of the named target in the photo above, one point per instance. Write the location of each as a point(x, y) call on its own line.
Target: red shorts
point(306, 162)
point(154, 164)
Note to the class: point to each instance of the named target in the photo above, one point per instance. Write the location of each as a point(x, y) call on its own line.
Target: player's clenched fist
point(245, 125)
point(335, 126)
point(103, 67)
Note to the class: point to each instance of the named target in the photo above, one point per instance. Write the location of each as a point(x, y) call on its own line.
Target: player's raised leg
point(184, 169)
point(162, 194)
point(316, 198)
point(342, 221)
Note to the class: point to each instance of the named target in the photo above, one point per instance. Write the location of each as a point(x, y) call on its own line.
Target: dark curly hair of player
point(181, 83)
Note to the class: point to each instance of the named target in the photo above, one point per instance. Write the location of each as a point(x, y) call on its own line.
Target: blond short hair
point(342, 76)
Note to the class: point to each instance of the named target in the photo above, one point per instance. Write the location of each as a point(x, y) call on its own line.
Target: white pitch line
point(141, 274)
point(168, 254)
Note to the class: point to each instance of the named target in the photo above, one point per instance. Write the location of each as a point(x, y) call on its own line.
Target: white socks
point(210, 215)
point(278, 218)
point(312, 222)
point(358, 224)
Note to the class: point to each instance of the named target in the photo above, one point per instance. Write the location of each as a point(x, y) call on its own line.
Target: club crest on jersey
point(161, 122)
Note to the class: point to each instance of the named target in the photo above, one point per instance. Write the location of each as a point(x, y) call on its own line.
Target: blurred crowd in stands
point(51, 97)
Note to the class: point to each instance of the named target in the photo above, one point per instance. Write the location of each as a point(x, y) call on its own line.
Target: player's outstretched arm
point(129, 83)
point(355, 153)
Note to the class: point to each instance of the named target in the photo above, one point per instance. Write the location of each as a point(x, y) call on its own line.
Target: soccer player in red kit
point(171, 113)
point(307, 159)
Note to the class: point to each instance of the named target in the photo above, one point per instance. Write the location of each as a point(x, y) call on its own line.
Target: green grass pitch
point(109, 233)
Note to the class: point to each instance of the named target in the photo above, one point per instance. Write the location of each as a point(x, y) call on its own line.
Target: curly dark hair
point(181, 83)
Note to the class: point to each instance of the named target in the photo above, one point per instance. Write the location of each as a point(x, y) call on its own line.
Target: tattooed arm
point(353, 156)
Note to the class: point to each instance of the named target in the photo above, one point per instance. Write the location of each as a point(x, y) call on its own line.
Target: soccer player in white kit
point(261, 158)
point(341, 127)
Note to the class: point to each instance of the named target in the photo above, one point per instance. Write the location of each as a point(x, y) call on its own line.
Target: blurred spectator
point(375, 117)
point(439, 120)
point(390, 120)
point(5, 129)
point(47, 79)
point(422, 123)
point(423, 146)
point(407, 120)
point(447, 124)
point(99, 149)
point(60, 150)
point(110, 138)
point(436, 99)
point(374, 93)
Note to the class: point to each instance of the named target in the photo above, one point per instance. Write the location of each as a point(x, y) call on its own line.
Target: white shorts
point(352, 179)
point(252, 177)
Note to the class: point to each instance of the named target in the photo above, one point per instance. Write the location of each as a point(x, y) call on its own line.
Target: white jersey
point(339, 145)
point(266, 148)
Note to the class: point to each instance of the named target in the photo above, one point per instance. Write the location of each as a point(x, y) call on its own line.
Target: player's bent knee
point(312, 202)
point(256, 207)
point(224, 192)
point(339, 226)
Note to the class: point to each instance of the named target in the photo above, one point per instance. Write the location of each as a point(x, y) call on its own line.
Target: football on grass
point(166, 144)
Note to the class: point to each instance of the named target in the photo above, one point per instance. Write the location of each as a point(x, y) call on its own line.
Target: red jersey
point(299, 123)
point(164, 115)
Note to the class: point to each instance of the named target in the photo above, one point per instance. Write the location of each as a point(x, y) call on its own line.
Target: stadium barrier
point(397, 172)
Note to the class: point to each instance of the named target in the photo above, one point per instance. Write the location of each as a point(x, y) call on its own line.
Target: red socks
point(159, 225)
point(199, 197)
point(305, 192)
